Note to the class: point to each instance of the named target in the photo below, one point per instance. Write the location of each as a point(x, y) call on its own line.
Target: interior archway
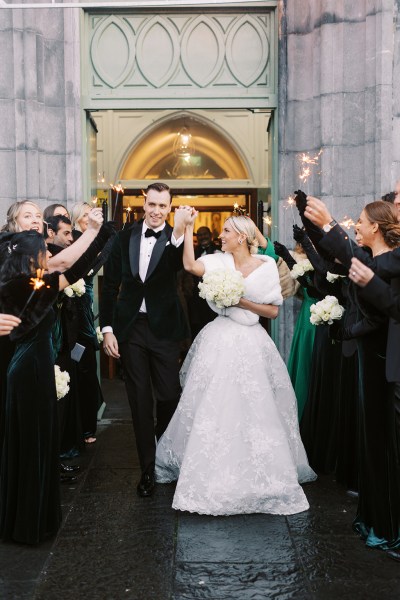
point(212, 156)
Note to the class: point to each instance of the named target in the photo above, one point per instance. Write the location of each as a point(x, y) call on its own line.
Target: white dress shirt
point(146, 248)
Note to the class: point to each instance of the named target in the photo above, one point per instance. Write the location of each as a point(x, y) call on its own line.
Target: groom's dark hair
point(159, 187)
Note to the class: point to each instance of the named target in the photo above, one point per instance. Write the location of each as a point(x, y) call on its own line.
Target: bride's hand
point(192, 218)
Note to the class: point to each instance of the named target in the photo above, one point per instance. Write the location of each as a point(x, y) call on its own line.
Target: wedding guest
point(7, 323)
point(143, 321)
point(58, 235)
point(378, 518)
point(58, 231)
point(266, 247)
point(249, 458)
point(25, 216)
point(199, 312)
point(89, 390)
point(301, 349)
point(30, 509)
point(52, 210)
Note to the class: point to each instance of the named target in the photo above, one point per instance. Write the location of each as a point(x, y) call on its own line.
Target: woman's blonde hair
point(77, 212)
point(13, 214)
point(245, 225)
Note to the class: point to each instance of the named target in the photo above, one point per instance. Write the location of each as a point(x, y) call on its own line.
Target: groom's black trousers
point(151, 368)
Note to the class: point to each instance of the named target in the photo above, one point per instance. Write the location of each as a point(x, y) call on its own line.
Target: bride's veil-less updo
point(245, 226)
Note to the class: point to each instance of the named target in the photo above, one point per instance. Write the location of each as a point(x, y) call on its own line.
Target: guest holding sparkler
point(29, 473)
point(378, 516)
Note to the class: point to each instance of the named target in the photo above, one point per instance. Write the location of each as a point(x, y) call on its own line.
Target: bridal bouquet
point(76, 289)
point(300, 268)
point(224, 287)
point(62, 381)
point(326, 311)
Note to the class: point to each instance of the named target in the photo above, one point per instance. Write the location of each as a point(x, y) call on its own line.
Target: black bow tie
point(152, 233)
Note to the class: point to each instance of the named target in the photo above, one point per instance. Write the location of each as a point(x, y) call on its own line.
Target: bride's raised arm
point(193, 266)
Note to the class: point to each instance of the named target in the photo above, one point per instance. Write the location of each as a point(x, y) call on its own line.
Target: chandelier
point(184, 146)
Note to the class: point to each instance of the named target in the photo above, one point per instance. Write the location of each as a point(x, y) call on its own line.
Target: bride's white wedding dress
point(233, 443)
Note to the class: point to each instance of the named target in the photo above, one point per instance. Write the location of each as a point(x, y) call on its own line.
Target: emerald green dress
point(301, 350)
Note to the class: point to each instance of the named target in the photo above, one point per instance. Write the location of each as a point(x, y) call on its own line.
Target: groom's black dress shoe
point(394, 554)
point(145, 487)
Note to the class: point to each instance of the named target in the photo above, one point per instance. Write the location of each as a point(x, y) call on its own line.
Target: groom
point(143, 321)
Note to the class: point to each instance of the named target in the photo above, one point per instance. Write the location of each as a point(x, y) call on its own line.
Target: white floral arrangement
point(300, 268)
point(76, 289)
point(100, 336)
point(326, 311)
point(62, 381)
point(224, 287)
point(331, 277)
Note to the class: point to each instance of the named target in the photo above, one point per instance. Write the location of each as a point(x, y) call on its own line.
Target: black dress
point(90, 394)
point(30, 509)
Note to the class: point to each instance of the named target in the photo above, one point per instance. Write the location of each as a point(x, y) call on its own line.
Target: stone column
point(40, 147)
point(337, 89)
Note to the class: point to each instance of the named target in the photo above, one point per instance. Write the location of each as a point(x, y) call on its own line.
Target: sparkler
point(36, 282)
point(268, 221)
point(307, 163)
point(119, 190)
point(290, 203)
point(128, 210)
point(348, 223)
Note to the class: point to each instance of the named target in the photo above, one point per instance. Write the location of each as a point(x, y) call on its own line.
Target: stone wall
point(40, 136)
point(339, 74)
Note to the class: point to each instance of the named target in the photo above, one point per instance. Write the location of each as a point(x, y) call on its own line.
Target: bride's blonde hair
point(245, 226)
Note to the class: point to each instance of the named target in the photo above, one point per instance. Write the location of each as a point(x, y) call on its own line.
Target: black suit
point(148, 342)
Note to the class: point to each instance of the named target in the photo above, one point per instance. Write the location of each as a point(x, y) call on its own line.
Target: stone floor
point(114, 545)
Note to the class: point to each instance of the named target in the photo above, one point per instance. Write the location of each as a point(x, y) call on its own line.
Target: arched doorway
point(202, 162)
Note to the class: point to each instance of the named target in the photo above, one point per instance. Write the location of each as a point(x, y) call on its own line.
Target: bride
point(233, 443)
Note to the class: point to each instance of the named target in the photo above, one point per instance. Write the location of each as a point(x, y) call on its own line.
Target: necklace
point(381, 251)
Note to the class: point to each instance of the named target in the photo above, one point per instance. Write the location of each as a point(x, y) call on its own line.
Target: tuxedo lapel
point(134, 249)
point(158, 250)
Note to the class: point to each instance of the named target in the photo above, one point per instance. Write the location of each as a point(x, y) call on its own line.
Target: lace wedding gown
point(233, 443)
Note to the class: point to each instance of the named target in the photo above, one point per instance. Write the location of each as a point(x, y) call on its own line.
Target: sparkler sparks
point(36, 282)
point(118, 189)
point(290, 204)
point(348, 223)
point(307, 163)
point(268, 221)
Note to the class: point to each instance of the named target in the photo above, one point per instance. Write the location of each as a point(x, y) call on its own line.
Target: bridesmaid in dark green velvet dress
point(30, 508)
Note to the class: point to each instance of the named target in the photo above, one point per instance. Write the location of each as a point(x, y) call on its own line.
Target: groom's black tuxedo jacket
point(385, 296)
point(123, 290)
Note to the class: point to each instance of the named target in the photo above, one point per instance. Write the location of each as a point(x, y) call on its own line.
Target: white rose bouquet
point(331, 277)
point(62, 381)
point(223, 287)
point(300, 268)
point(100, 336)
point(326, 311)
point(76, 289)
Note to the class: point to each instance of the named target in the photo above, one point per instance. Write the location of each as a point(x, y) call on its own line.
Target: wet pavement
point(114, 545)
